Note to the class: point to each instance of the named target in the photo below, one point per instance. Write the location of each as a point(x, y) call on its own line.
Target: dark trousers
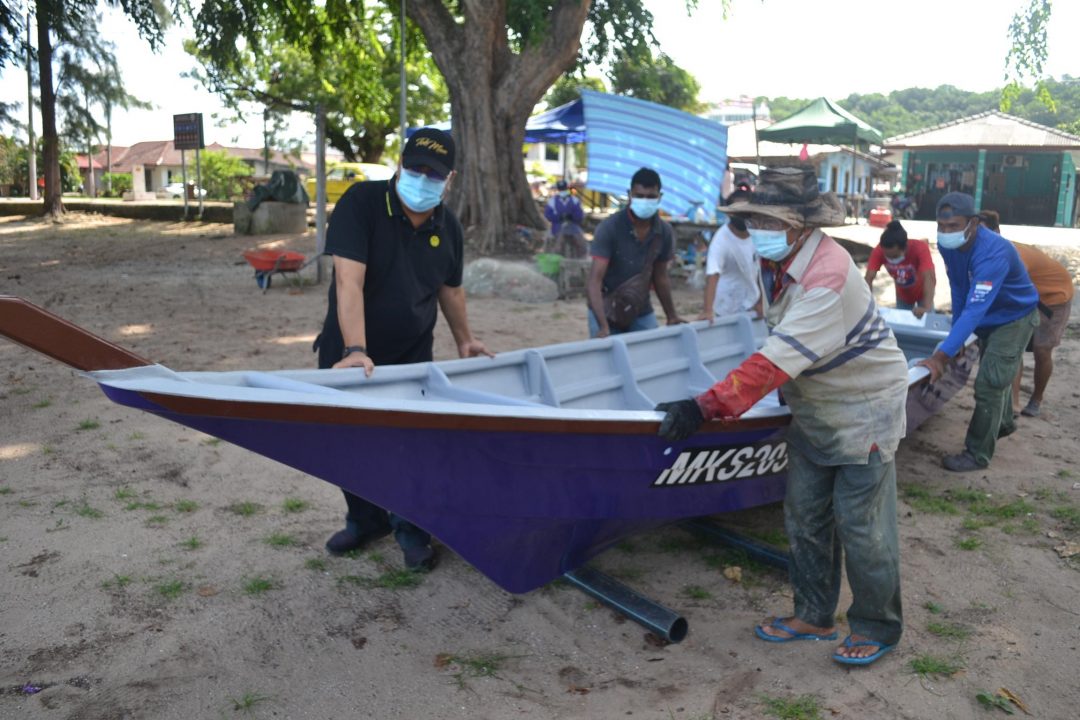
point(366, 517)
point(837, 514)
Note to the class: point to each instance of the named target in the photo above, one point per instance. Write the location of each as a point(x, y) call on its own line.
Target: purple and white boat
point(527, 465)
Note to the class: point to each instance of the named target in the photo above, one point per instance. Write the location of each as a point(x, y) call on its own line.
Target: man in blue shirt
point(993, 297)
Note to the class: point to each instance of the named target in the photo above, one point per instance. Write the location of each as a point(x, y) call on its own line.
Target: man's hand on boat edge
point(356, 359)
point(473, 348)
point(935, 364)
point(682, 420)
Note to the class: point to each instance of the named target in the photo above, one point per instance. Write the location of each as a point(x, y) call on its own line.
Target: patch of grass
point(965, 496)
point(1043, 494)
point(212, 442)
point(89, 425)
point(316, 563)
point(172, 589)
point(481, 665)
point(247, 702)
point(626, 546)
point(1063, 473)
point(86, 511)
point(949, 630)
point(124, 493)
point(678, 543)
point(1030, 525)
point(186, 506)
point(136, 436)
point(391, 580)
point(921, 499)
point(973, 523)
point(192, 543)
point(3, 538)
point(968, 543)
point(629, 574)
point(22, 390)
point(59, 503)
point(1068, 515)
point(42, 404)
point(117, 581)
point(1014, 509)
point(47, 450)
point(696, 592)
point(27, 503)
point(281, 540)
point(295, 505)
point(934, 666)
point(772, 536)
point(802, 707)
point(259, 584)
point(245, 509)
point(6, 491)
point(151, 506)
point(990, 700)
point(157, 521)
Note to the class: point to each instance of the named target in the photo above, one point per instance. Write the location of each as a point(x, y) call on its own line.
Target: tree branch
point(551, 58)
point(444, 36)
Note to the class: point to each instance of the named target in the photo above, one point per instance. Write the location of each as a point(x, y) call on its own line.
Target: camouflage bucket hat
point(790, 194)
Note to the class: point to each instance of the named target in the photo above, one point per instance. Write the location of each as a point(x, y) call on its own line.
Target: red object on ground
point(274, 260)
point(880, 217)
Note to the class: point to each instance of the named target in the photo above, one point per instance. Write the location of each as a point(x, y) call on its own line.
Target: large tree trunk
point(492, 93)
point(54, 205)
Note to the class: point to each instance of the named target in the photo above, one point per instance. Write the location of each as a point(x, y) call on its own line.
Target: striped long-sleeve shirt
point(848, 390)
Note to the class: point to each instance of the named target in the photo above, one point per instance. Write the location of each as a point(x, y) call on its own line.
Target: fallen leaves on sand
point(1068, 549)
point(733, 573)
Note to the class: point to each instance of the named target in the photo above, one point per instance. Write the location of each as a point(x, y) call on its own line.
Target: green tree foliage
point(568, 89)
point(116, 183)
point(221, 175)
point(1027, 55)
point(657, 79)
point(353, 73)
point(902, 111)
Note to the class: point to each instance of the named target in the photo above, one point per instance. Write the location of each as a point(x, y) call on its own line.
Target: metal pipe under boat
point(714, 533)
point(651, 615)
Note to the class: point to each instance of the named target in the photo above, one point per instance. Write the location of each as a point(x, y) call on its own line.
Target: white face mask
point(894, 261)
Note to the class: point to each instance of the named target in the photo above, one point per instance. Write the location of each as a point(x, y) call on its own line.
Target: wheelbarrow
point(268, 263)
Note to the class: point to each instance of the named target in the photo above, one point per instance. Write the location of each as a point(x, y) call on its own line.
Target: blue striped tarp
point(624, 134)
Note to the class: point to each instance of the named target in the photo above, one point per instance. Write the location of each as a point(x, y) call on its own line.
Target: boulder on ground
point(510, 280)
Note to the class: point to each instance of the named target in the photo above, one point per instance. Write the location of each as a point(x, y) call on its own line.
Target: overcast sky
point(797, 48)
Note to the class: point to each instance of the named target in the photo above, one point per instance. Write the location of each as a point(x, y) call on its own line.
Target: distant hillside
point(911, 109)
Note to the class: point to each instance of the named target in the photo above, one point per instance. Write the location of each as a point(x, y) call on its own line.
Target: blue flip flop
point(882, 648)
point(793, 635)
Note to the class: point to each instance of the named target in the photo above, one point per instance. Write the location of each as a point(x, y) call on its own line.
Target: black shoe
point(421, 559)
point(963, 462)
point(347, 539)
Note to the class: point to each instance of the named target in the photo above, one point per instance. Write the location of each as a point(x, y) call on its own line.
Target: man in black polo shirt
point(630, 251)
point(398, 257)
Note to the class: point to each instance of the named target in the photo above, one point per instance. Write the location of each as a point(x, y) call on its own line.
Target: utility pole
point(320, 189)
point(32, 151)
point(401, 111)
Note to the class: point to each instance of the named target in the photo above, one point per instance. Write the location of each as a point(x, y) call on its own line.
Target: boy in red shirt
point(909, 264)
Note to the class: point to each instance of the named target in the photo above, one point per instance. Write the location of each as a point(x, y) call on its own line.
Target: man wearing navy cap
point(993, 297)
point(398, 257)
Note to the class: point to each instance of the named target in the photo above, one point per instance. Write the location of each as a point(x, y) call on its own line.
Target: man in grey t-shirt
point(621, 246)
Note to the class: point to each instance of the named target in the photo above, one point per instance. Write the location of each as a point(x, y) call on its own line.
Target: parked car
point(176, 190)
point(341, 176)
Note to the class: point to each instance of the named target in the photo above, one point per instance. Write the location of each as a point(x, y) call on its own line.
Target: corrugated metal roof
point(990, 129)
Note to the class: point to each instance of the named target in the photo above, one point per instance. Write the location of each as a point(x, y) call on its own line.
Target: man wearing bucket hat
point(398, 258)
point(845, 380)
point(993, 297)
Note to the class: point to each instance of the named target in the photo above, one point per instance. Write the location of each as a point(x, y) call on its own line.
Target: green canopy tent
point(824, 122)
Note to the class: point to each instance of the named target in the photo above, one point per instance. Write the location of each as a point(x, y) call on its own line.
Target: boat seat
point(594, 375)
point(519, 375)
point(723, 345)
point(665, 363)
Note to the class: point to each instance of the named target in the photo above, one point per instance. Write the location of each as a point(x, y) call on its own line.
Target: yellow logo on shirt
point(434, 241)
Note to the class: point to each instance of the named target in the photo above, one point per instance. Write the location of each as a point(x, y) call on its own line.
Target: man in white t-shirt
point(732, 283)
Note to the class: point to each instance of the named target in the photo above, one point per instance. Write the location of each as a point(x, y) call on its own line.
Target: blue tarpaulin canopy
point(564, 125)
point(561, 125)
point(625, 134)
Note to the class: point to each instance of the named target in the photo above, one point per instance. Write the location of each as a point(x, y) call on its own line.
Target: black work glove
point(682, 420)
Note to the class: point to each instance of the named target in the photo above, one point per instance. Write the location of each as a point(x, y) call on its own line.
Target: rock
point(1068, 549)
point(488, 277)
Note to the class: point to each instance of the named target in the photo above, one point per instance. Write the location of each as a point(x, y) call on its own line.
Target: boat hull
point(522, 506)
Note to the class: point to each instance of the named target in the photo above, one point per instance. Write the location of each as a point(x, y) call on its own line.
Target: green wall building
point(1025, 171)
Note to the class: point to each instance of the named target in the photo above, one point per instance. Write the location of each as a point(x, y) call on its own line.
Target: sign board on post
point(188, 131)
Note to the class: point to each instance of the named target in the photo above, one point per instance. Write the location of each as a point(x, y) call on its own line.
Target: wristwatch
point(349, 350)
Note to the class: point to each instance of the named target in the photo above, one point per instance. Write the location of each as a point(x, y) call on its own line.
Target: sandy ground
point(135, 584)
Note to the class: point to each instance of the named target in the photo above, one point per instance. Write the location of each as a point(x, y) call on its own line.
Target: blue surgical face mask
point(953, 240)
point(564, 193)
point(644, 208)
point(419, 192)
point(770, 244)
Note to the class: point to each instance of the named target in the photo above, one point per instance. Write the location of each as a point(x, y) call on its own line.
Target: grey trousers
point(845, 512)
